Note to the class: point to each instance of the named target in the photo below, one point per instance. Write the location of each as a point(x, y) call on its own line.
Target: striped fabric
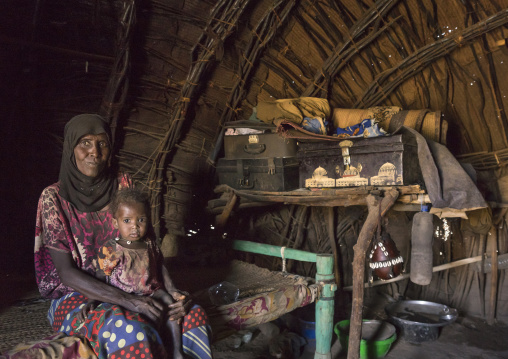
point(196, 334)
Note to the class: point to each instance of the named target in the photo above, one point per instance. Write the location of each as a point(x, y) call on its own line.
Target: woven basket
point(412, 119)
point(431, 127)
point(415, 119)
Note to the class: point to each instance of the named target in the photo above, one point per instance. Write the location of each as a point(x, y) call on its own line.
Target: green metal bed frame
point(324, 278)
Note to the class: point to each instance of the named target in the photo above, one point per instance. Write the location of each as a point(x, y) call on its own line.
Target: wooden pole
point(118, 83)
point(333, 244)
point(360, 252)
point(494, 276)
point(481, 274)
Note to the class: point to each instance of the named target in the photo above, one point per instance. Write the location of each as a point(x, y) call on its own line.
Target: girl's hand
point(147, 306)
point(183, 302)
point(89, 306)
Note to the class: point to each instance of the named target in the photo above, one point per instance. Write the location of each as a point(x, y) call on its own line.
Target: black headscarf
point(87, 194)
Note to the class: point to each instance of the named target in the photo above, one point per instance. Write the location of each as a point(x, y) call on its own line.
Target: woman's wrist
point(127, 301)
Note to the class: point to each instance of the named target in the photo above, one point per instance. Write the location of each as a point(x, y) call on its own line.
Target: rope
point(277, 16)
point(282, 249)
point(246, 59)
point(259, 38)
point(235, 110)
point(239, 78)
point(321, 86)
point(223, 22)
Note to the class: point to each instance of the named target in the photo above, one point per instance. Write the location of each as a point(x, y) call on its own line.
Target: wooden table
point(377, 199)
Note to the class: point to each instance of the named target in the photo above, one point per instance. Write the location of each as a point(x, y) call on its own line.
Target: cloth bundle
point(430, 124)
point(342, 117)
point(315, 115)
point(367, 128)
point(309, 112)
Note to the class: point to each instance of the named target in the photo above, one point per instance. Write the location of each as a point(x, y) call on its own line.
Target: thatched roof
point(169, 73)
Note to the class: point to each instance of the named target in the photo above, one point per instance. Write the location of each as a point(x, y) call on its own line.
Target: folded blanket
point(293, 109)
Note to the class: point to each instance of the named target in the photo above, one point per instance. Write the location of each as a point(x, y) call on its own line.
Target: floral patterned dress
point(133, 270)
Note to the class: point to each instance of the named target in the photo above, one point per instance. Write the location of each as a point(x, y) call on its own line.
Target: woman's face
point(92, 154)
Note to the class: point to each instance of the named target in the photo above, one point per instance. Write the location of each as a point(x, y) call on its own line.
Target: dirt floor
point(468, 337)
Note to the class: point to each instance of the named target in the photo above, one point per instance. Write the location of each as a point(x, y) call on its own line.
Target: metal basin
point(420, 321)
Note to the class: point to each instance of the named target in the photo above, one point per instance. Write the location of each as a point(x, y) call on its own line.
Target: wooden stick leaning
point(331, 236)
point(360, 252)
point(491, 319)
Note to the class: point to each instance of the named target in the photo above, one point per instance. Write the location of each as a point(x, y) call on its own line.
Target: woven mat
point(251, 279)
point(23, 322)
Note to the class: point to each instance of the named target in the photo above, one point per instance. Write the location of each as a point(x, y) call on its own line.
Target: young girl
point(134, 263)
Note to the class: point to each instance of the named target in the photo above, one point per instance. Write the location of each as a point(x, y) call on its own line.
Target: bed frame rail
point(324, 278)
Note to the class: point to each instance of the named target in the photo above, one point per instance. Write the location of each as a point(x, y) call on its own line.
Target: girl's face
point(132, 221)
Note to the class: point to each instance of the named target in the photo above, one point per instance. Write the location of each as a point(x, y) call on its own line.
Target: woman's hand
point(93, 288)
point(147, 306)
point(181, 306)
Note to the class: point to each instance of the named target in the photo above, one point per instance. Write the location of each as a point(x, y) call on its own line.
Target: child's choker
point(126, 241)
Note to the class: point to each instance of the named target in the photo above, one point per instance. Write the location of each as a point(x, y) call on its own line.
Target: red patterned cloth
point(60, 226)
point(196, 318)
point(112, 331)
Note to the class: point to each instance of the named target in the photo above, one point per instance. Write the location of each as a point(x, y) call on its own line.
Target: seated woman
point(73, 222)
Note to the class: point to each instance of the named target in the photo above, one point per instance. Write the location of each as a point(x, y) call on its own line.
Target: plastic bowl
point(377, 337)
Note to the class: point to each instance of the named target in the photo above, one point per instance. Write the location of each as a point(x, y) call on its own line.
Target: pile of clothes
point(315, 115)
